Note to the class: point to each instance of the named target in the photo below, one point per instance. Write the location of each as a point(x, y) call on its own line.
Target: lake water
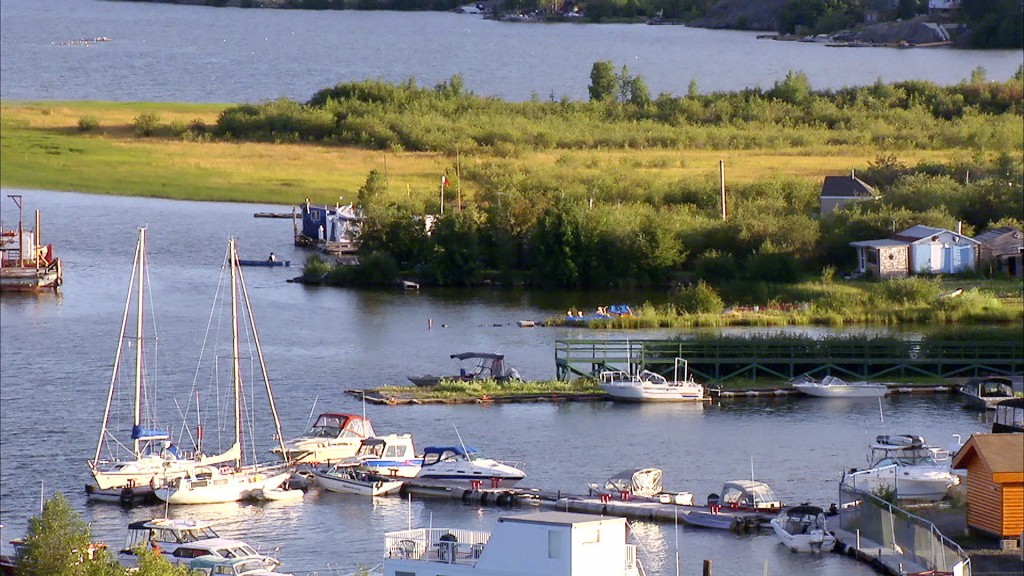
point(56, 352)
point(164, 52)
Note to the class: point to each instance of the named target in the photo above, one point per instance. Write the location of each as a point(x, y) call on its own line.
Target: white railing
point(444, 545)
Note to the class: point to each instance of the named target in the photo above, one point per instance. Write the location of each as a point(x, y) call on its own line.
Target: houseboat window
point(554, 544)
point(404, 573)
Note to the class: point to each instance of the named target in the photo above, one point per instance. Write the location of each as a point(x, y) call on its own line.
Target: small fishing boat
point(802, 529)
point(267, 263)
point(833, 387)
point(486, 366)
point(352, 481)
point(984, 393)
point(25, 264)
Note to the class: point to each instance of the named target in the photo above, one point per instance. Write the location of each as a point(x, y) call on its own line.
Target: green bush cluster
point(446, 118)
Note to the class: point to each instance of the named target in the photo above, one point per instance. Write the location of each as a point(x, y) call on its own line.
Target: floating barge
point(25, 264)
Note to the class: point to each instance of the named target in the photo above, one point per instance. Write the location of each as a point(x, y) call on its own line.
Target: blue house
point(324, 226)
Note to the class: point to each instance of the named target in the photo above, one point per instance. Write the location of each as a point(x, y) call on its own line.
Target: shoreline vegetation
point(618, 192)
point(971, 24)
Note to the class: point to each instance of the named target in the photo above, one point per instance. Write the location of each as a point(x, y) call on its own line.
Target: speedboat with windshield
point(181, 540)
point(907, 466)
point(332, 437)
point(464, 467)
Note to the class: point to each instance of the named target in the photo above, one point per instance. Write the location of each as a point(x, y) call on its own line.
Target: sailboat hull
point(218, 488)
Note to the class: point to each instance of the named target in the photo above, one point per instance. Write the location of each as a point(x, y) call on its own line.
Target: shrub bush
point(146, 125)
point(88, 123)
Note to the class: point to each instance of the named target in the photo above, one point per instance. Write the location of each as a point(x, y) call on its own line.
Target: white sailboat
point(126, 462)
point(233, 480)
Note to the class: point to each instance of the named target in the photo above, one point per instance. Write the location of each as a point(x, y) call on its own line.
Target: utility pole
point(721, 177)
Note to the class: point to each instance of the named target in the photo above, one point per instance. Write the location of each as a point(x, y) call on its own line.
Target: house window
point(871, 256)
point(554, 544)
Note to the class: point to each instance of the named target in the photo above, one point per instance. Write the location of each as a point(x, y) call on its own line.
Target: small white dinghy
point(802, 529)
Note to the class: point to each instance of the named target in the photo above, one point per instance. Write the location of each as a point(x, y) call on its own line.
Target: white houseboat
point(539, 544)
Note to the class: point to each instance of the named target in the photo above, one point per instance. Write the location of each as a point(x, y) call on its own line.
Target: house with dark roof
point(838, 191)
point(1000, 251)
point(917, 250)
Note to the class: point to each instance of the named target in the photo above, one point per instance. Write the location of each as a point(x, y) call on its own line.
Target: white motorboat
point(746, 495)
point(234, 481)
point(392, 455)
point(461, 467)
point(648, 386)
point(126, 460)
point(549, 543)
point(180, 540)
point(985, 393)
point(803, 529)
point(906, 465)
point(353, 481)
point(332, 437)
point(833, 387)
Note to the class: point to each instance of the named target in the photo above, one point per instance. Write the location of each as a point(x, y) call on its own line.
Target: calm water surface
point(163, 52)
point(56, 352)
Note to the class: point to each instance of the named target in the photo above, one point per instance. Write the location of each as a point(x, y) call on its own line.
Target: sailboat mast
point(117, 355)
point(263, 369)
point(138, 340)
point(235, 363)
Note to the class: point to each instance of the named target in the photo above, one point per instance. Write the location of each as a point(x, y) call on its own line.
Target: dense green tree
point(456, 259)
point(371, 192)
point(604, 82)
point(58, 544)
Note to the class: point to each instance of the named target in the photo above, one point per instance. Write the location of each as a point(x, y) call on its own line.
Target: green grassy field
point(41, 146)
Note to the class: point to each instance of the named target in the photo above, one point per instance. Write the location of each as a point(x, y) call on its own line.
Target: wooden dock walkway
point(716, 360)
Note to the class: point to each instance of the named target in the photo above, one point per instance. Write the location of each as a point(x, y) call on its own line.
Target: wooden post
point(721, 177)
point(708, 569)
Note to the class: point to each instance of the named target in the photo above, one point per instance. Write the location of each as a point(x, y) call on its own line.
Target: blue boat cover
point(140, 433)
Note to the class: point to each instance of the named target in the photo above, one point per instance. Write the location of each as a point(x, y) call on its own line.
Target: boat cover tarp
point(640, 482)
point(140, 433)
